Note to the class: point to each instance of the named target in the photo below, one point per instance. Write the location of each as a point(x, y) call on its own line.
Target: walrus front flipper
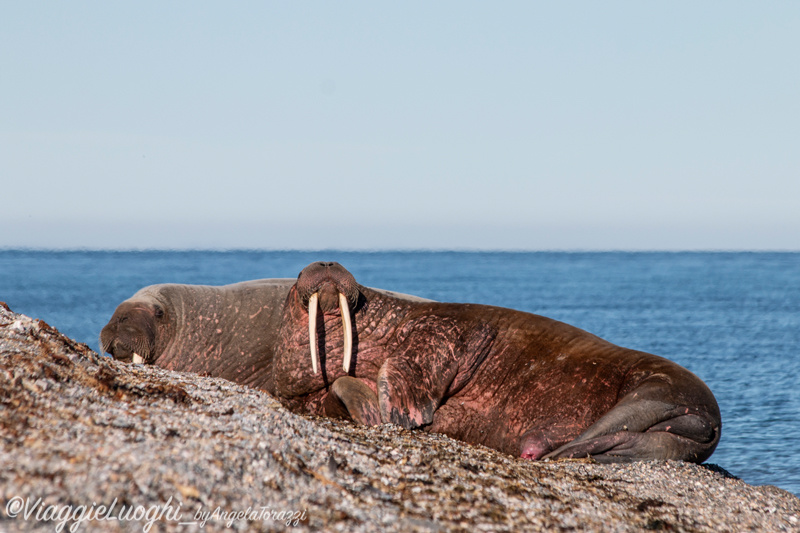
point(641, 430)
point(414, 380)
point(408, 397)
point(436, 357)
point(352, 398)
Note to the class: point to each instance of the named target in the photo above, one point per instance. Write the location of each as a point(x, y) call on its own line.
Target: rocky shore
point(91, 444)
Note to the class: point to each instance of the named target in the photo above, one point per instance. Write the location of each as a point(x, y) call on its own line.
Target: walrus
point(227, 331)
point(524, 384)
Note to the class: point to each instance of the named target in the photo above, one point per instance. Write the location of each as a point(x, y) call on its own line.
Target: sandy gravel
point(143, 449)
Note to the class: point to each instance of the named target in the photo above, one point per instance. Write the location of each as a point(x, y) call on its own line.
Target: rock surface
point(92, 444)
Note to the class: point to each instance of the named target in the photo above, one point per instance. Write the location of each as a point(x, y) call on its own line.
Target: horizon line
point(82, 249)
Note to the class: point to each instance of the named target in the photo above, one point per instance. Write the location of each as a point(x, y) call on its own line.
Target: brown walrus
point(224, 331)
point(521, 383)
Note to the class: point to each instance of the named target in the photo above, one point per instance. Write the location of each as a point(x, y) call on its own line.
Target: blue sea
point(731, 318)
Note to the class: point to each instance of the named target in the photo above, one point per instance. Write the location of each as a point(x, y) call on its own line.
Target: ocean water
point(731, 318)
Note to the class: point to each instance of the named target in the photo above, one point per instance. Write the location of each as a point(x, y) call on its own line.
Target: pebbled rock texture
point(91, 444)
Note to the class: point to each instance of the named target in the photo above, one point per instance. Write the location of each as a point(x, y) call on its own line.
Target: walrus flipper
point(640, 430)
point(351, 398)
point(413, 382)
point(404, 397)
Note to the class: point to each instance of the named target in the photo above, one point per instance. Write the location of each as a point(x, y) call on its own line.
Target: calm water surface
point(731, 318)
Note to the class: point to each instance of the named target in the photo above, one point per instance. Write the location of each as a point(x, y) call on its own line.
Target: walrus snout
point(121, 351)
point(128, 348)
point(328, 299)
point(130, 334)
point(328, 286)
point(327, 277)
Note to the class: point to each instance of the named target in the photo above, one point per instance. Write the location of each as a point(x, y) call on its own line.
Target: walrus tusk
point(137, 359)
point(348, 331)
point(312, 328)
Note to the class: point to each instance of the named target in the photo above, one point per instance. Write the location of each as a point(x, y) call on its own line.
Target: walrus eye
point(158, 312)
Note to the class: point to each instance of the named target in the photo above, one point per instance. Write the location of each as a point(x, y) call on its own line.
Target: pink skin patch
point(534, 451)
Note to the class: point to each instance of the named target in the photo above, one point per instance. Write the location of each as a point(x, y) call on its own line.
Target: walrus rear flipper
point(625, 446)
point(642, 430)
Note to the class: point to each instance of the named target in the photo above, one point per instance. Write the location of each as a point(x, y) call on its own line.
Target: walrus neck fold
point(347, 327)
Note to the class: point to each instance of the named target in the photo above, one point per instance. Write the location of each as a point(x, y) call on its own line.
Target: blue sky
point(457, 125)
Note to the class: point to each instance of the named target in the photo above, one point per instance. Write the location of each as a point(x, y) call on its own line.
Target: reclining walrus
point(523, 384)
point(224, 331)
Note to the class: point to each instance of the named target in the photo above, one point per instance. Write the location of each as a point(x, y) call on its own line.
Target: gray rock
point(138, 448)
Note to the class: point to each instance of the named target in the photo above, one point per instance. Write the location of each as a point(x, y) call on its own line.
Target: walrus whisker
point(139, 345)
point(347, 325)
point(313, 303)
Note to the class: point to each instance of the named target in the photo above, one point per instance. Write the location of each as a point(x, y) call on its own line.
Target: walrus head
point(130, 335)
point(330, 288)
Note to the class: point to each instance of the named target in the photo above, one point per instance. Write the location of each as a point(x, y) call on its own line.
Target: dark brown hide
point(521, 383)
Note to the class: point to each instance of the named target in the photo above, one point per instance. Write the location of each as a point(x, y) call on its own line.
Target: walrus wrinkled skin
point(225, 331)
point(523, 384)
